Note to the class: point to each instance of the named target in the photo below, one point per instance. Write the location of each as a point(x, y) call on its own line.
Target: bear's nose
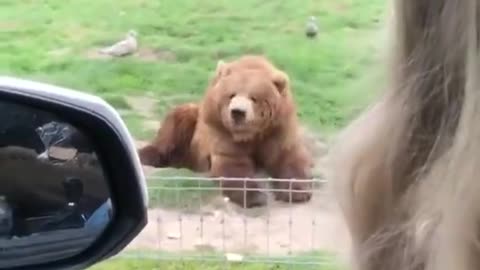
point(238, 115)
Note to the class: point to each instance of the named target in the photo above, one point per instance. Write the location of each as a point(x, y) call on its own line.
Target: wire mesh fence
point(191, 219)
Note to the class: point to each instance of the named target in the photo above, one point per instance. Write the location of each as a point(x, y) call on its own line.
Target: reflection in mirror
point(54, 196)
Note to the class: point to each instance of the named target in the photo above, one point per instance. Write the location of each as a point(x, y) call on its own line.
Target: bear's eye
point(254, 100)
point(231, 96)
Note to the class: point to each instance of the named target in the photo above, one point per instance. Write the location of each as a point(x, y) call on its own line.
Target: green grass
point(333, 76)
point(311, 261)
point(50, 41)
point(135, 124)
point(152, 264)
point(178, 193)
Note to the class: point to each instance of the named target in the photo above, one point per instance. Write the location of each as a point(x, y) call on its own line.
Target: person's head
point(406, 171)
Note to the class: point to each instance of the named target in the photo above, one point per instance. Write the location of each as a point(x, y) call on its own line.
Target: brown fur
point(271, 141)
point(171, 147)
point(406, 171)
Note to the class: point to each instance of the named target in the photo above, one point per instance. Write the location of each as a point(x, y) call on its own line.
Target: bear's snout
point(238, 115)
point(241, 109)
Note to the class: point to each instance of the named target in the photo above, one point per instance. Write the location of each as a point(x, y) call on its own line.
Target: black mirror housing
point(115, 149)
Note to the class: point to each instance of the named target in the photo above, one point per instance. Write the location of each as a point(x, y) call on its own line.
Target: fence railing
point(191, 219)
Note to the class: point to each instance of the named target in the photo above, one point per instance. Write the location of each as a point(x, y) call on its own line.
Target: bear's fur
point(246, 122)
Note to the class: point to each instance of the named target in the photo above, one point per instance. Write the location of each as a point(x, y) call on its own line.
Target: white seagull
point(123, 47)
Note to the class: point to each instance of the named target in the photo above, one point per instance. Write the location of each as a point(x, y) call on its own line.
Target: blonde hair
point(407, 171)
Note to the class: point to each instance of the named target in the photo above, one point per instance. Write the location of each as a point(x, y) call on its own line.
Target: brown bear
point(245, 123)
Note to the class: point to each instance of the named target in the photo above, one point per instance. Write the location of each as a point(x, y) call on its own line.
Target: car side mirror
point(72, 190)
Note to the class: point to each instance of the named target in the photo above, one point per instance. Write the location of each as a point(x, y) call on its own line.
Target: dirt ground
point(277, 230)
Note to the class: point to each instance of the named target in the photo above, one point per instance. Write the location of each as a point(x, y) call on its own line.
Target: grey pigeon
point(311, 29)
point(123, 47)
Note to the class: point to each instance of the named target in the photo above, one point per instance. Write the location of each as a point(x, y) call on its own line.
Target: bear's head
point(248, 101)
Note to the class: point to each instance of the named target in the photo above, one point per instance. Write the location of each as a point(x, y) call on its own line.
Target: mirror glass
point(54, 195)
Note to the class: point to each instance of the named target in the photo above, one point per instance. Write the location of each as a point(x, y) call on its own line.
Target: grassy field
point(322, 261)
point(56, 41)
point(152, 264)
point(181, 40)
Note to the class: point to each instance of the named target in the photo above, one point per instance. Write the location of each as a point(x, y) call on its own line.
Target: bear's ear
point(281, 81)
point(222, 69)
